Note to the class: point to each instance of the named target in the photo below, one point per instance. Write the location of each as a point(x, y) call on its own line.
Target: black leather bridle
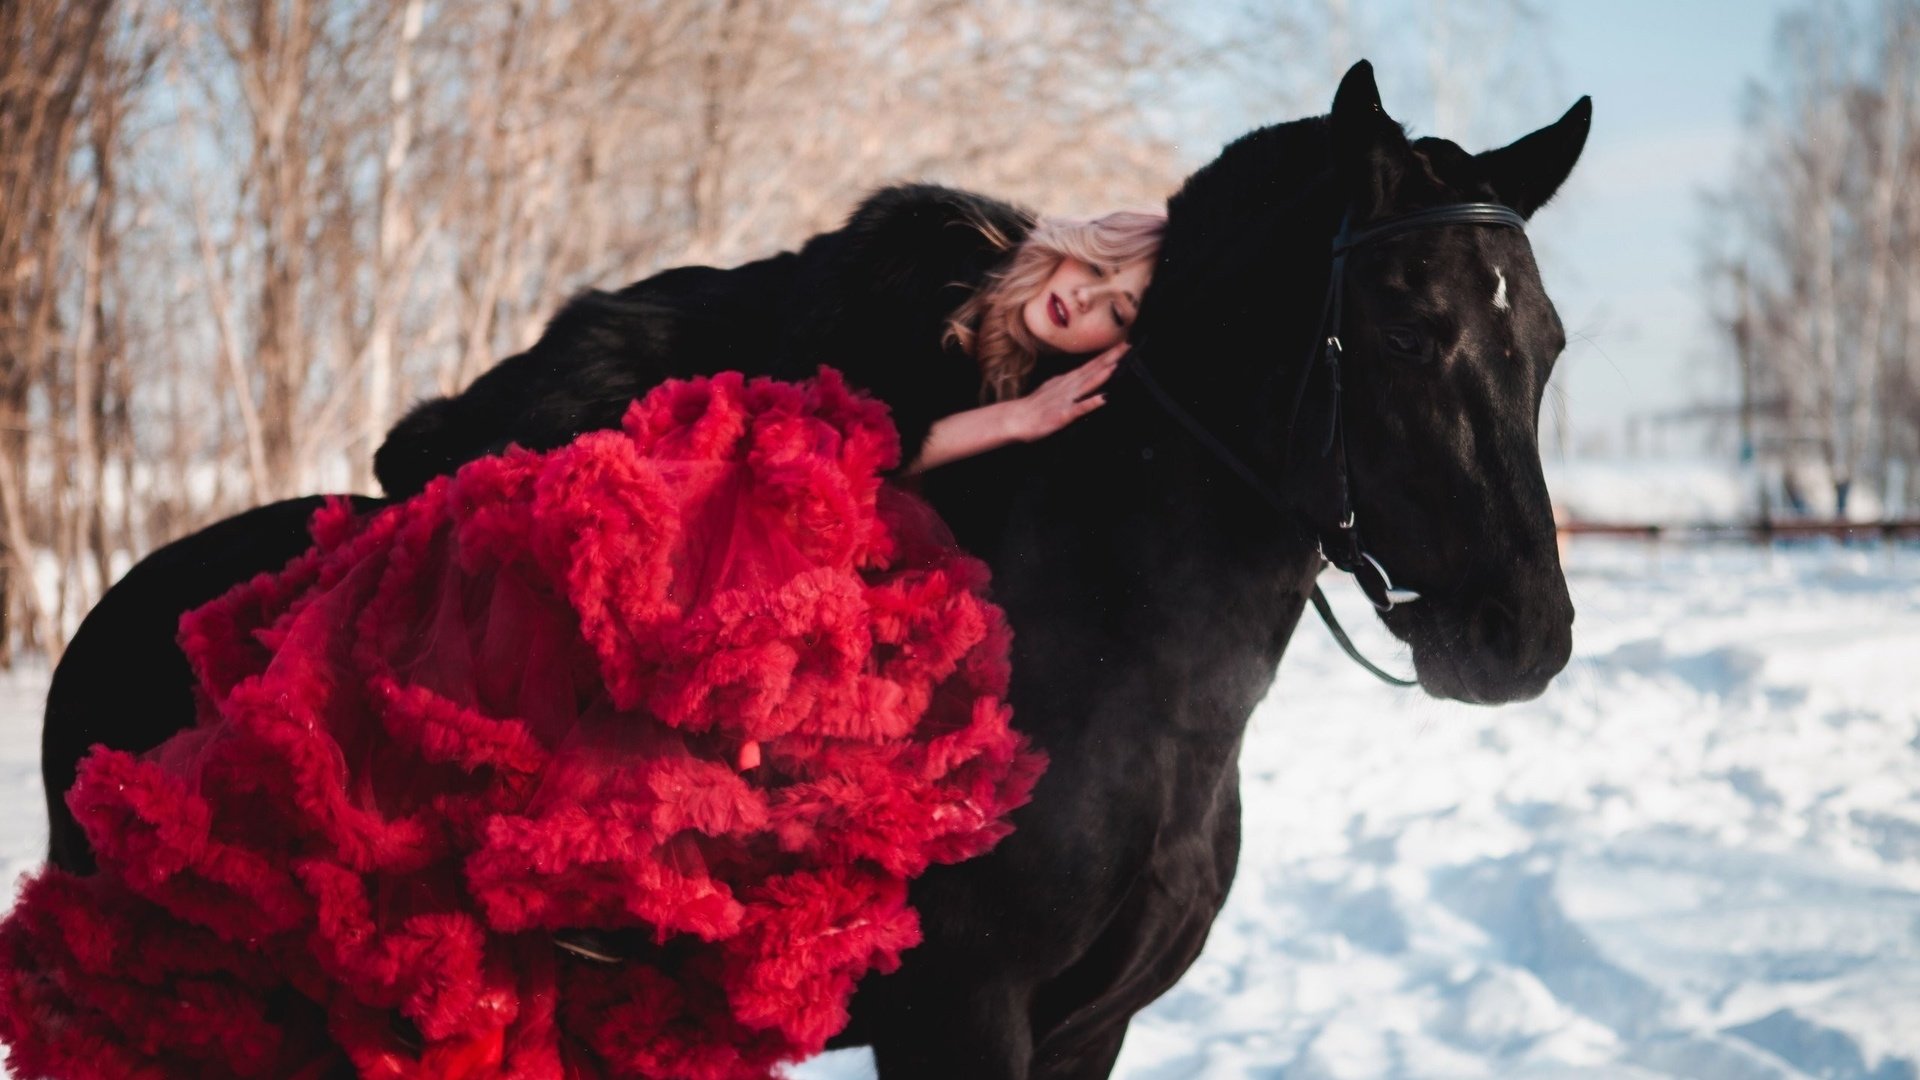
point(1339, 543)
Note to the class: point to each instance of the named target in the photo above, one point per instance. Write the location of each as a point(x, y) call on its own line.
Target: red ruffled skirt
point(704, 682)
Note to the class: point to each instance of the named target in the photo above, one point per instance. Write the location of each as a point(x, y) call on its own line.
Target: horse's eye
point(1405, 342)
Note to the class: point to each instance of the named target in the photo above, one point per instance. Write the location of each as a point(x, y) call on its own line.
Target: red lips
point(1057, 309)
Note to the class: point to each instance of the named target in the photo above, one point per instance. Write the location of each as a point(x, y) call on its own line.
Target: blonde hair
point(989, 325)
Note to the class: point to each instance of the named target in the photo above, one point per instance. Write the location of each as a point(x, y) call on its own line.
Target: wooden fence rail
point(1756, 532)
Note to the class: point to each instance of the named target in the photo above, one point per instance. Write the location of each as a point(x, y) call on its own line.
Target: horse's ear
point(1370, 151)
point(1527, 172)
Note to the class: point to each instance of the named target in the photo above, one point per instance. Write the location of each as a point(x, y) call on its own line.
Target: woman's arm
point(1058, 402)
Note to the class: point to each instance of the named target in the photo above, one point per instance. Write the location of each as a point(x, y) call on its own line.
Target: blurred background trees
point(238, 237)
point(1817, 257)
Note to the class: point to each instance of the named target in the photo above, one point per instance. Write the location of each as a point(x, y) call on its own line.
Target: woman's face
point(1086, 308)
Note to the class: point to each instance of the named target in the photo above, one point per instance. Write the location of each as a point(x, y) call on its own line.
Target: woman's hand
point(1065, 398)
point(1058, 402)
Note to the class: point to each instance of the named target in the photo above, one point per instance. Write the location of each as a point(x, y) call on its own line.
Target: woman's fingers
point(1094, 373)
point(1065, 410)
point(1073, 394)
point(1108, 360)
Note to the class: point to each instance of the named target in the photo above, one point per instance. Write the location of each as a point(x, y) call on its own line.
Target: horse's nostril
point(1507, 647)
point(1494, 632)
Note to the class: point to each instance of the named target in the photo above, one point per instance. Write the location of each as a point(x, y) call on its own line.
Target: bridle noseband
point(1339, 542)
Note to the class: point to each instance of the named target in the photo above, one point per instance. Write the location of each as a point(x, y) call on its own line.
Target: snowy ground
point(1697, 856)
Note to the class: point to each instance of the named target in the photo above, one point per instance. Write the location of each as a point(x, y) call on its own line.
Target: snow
point(1671, 491)
point(1681, 490)
point(23, 825)
point(1697, 855)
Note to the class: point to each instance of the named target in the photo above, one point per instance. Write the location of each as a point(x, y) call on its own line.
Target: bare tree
point(48, 51)
point(1480, 65)
point(256, 228)
point(1822, 246)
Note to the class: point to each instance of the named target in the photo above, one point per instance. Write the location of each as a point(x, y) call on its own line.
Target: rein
point(1345, 550)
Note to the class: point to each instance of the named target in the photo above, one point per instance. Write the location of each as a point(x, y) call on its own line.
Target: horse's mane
point(1274, 168)
point(1250, 228)
point(1243, 232)
point(1261, 180)
point(1284, 159)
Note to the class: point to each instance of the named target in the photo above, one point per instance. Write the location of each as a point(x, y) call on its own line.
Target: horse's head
point(1445, 342)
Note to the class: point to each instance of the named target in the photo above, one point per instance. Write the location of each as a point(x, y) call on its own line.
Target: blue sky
point(1621, 247)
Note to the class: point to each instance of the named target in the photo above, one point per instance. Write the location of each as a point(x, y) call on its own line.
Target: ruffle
point(704, 683)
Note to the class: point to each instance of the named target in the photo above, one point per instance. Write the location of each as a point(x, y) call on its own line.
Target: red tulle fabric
point(705, 680)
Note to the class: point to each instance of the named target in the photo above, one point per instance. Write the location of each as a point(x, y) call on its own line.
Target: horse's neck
point(1127, 546)
point(1163, 577)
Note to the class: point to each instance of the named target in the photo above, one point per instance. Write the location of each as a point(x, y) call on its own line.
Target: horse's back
point(123, 681)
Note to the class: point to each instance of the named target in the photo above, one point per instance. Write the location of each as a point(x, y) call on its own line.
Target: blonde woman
point(1070, 287)
point(948, 306)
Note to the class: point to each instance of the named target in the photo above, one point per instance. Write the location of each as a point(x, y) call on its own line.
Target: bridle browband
point(1339, 544)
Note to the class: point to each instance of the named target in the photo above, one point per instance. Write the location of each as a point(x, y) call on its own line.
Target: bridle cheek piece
point(1339, 543)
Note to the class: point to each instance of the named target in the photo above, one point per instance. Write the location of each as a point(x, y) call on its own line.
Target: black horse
point(1154, 559)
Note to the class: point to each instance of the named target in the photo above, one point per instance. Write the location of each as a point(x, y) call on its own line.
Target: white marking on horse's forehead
point(1499, 290)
